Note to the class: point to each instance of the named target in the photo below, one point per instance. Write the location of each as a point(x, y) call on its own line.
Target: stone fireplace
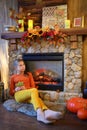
point(47, 70)
point(72, 64)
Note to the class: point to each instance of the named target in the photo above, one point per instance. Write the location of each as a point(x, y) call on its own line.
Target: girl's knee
point(34, 90)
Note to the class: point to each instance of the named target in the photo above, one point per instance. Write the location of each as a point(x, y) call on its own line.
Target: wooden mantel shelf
point(11, 35)
point(71, 31)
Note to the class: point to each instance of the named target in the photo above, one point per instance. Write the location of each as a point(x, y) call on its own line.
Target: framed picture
point(79, 22)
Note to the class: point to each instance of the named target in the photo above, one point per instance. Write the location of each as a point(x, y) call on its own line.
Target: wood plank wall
point(84, 62)
point(78, 8)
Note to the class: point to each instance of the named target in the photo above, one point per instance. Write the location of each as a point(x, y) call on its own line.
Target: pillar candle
point(82, 21)
point(30, 24)
point(67, 23)
point(21, 25)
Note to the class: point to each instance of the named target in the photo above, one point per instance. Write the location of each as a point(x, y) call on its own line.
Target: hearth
point(47, 69)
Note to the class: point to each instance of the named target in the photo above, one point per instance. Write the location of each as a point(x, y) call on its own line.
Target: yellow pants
point(30, 96)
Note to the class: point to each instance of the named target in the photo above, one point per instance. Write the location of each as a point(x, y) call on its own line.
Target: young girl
point(27, 92)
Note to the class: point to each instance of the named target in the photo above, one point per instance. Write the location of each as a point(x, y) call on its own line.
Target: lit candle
point(82, 21)
point(21, 25)
point(30, 24)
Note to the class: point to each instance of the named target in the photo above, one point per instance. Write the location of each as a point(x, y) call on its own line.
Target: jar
point(1, 91)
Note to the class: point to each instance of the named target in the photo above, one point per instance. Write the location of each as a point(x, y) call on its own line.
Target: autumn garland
point(53, 36)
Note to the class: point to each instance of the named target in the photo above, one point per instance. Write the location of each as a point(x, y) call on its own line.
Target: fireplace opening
point(47, 69)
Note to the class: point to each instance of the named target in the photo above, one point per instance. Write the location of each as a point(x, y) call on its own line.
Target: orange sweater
point(27, 80)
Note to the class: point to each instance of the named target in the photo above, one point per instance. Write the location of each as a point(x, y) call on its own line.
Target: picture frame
point(79, 22)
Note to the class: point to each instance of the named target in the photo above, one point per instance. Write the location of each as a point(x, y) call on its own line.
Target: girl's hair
point(25, 72)
point(19, 60)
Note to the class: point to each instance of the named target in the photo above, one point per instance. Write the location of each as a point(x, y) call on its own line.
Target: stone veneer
point(72, 66)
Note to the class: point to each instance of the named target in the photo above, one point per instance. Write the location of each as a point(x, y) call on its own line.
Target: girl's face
point(21, 67)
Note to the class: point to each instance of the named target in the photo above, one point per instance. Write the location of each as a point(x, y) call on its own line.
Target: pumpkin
point(80, 104)
point(82, 113)
point(75, 103)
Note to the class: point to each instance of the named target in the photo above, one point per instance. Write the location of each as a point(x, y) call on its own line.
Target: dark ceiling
point(34, 7)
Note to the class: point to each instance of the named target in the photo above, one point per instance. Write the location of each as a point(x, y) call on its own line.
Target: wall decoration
point(79, 22)
point(54, 15)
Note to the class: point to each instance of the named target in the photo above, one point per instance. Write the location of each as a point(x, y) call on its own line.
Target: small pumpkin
point(76, 103)
point(82, 113)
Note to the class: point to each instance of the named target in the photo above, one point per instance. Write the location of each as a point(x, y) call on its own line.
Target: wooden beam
point(34, 11)
point(55, 1)
point(27, 4)
point(71, 31)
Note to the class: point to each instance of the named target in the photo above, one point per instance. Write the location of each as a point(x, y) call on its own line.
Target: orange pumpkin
point(82, 113)
point(76, 103)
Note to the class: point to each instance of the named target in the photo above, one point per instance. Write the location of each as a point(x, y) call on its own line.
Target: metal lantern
point(1, 91)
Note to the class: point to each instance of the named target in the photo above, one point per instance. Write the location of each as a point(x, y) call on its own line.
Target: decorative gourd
point(19, 84)
point(82, 113)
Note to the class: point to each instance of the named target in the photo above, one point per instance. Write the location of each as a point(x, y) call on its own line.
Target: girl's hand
point(19, 88)
point(22, 87)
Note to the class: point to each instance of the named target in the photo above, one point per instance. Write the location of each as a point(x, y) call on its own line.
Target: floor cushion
point(25, 108)
point(28, 109)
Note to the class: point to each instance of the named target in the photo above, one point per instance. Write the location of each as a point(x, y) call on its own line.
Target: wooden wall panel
point(84, 62)
point(77, 8)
